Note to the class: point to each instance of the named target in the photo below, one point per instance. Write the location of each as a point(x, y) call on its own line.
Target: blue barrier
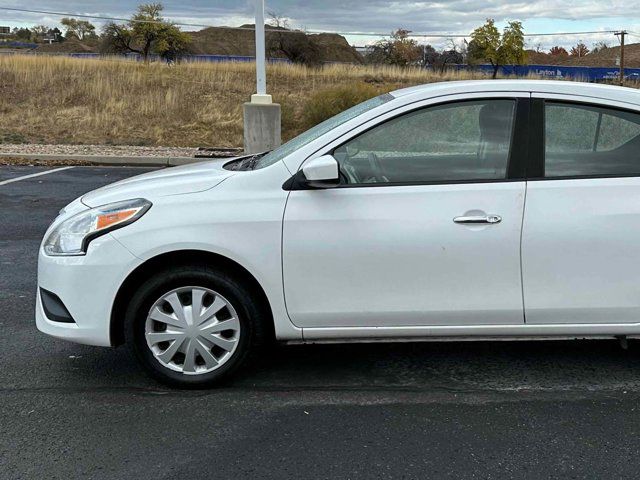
point(186, 58)
point(592, 74)
point(228, 58)
point(16, 44)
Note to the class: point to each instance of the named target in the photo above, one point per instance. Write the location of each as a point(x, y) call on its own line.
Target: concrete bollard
point(261, 126)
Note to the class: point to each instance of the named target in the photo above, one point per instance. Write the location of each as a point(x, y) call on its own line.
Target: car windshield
point(319, 130)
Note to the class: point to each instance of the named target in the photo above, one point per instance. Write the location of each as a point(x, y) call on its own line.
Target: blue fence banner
point(16, 44)
point(589, 74)
point(186, 58)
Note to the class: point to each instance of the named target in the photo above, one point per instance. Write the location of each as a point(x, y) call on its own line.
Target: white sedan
point(464, 211)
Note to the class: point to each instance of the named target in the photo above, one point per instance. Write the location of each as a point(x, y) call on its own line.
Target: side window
point(467, 140)
point(586, 140)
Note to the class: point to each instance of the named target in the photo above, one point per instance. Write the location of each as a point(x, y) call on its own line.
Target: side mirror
point(322, 172)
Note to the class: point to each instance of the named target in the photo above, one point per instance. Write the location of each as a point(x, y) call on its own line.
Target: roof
point(621, 94)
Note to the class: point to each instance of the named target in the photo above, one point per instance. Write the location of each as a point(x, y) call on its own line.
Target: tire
point(200, 285)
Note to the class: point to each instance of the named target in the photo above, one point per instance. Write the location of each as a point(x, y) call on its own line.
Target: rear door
point(581, 229)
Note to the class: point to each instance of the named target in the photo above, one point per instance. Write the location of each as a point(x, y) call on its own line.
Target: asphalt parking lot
point(434, 410)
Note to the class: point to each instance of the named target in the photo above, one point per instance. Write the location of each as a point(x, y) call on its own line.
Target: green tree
point(398, 50)
point(23, 34)
point(487, 45)
point(55, 34)
point(172, 43)
point(79, 29)
point(146, 33)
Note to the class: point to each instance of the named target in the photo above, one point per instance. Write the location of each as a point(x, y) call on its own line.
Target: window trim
point(538, 145)
point(516, 162)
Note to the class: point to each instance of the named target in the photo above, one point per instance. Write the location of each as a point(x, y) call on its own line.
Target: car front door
point(580, 248)
point(425, 227)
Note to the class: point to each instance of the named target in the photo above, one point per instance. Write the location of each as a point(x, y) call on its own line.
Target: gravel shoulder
point(52, 155)
point(97, 150)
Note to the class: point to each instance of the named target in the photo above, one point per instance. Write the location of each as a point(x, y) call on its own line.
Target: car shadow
point(428, 366)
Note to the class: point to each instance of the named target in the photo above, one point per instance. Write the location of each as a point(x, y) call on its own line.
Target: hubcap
point(192, 330)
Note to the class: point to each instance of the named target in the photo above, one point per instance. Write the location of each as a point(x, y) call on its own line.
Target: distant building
point(364, 50)
point(5, 31)
point(50, 38)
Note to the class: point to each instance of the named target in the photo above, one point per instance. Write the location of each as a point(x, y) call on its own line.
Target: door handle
point(490, 219)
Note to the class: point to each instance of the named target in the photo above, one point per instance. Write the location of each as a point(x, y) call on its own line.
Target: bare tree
point(580, 50)
point(278, 21)
point(399, 50)
point(600, 46)
point(39, 31)
point(293, 44)
point(558, 51)
point(78, 28)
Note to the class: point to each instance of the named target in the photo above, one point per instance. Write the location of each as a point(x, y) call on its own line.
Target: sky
point(379, 16)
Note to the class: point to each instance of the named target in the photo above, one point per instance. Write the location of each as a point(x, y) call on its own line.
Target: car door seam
point(524, 209)
point(284, 291)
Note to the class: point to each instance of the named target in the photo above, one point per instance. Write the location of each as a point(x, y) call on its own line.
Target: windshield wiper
point(247, 163)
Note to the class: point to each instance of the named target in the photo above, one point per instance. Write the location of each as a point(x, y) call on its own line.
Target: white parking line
point(24, 177)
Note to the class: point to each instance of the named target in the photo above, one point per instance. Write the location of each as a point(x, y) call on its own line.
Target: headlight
point(73, 235)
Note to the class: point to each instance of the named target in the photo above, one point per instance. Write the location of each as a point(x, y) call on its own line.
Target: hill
point(225, 41)
point(602, 58)
point(71, 45)
point(335, 47)
point(222, 41)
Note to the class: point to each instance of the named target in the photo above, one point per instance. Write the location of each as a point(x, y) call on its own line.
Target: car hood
point(195, 177)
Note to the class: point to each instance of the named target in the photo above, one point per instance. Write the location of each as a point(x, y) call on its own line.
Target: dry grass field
point(47, 99)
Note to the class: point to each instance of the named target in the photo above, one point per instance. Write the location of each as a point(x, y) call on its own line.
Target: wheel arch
point(167, 260)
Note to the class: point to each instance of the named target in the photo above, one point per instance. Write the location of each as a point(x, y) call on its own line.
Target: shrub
point(327, 103)
point(12, 137)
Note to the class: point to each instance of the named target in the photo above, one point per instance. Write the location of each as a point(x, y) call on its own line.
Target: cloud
point(445, 16)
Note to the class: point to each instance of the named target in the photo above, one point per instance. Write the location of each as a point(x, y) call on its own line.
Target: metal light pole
point(261, 116)
point(261, 72)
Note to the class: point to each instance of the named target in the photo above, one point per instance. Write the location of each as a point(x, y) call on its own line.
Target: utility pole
point(622, 34)
point(262, 118)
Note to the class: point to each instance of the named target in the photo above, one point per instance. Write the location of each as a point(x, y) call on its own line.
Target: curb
point(110, 160)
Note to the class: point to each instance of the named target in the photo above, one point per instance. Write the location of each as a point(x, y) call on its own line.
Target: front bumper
point(87, 286)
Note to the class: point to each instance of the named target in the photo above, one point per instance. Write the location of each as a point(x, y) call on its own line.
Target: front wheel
point(193, 326)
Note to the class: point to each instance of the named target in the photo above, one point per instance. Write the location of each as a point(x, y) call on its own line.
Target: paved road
point(460, 410)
